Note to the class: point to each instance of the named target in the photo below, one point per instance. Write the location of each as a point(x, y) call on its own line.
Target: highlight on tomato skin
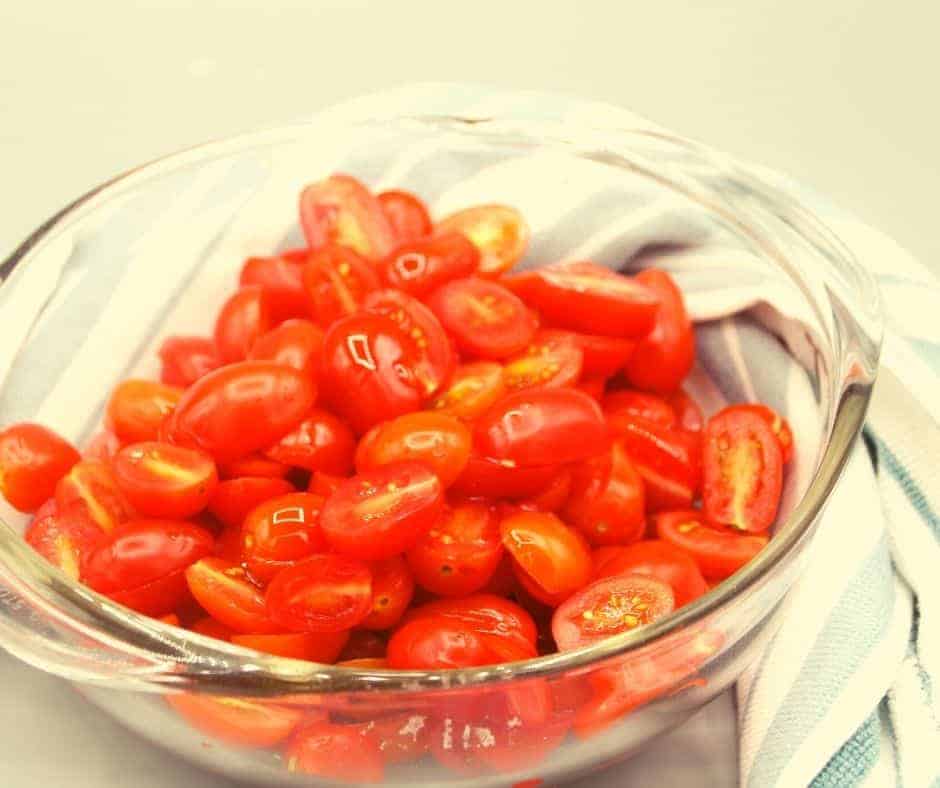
point(279, 532)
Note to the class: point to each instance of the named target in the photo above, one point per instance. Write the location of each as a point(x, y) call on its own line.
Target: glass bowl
point(87, 298)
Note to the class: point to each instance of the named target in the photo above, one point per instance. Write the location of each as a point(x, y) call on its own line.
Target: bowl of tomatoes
point(323, 468)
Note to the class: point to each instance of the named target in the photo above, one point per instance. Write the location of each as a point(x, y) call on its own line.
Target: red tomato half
point(296, 343)
point(484, 318)
point(165, 481)
point(486, 478)
point(743, 470)
point(280, 532)
point(541, 426)
point(584, 296)
point(137, 408)
point(241, 408)
point(499, 233)
point(91, 486)
point(407, 215)
point(603, 356)
point(620, 406)
point(663, 358)
point(65, 539)
point(777, 424)
point(553, 497)
point(392, 589)
point(419, 267)
point(226, 594)
point(552, 359)
point(340, 210)
point(471, 391)
point(654, 558)
point(281, 279)
point(322, 647)
point(244, 317)
point(321, 442)
point(32, 460)
point(486, 614)
point(338, 753)
point(253, 465)
point(381, 513)
point(324, 484)
point(242, 722)
point(337, 280)
point(184, 360)
point(718, 552)
point(434, 642)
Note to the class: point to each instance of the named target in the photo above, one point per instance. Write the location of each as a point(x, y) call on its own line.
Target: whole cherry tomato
point(244, 317)
point(654, 558)
point(281, 279)
point(241, 408)
point(587, 297)
point(242, 722)
point(486, 478)
point(406, 213)
point(226, 594)
point(279, 532)
point(334, 752)
point(440, 643)
point(688, 414)
point(392, 589)
point(777, 424)
point(296, 343)
point(471, 391)
point(541, 426)
point(91, 486)
point(381, 513)
point(64, 538)
point(499, 233)
point(137, 407)
point(484, 318)
point(322, 647)
point(337, 280)
point(486, 614)
point(718, 552)
point(552, 359)
point(743, 470)
point(185, 359)
point(420, 266)
point(441, 442)
point(603, 356)
point(340, 210)
point(321, 442)
point(459, 555)
point(322, 593)
point(663, 358)
point(623, 405)
point(32, 460)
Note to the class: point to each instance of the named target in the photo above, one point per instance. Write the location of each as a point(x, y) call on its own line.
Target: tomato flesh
point(777, 424)
point(138, 407)
point(499, 233)
point(719, 552)
point(228, 595)
point(91, 485)
point(472, 390)
point(32, 461)
point(552, 359)
point(242, 722)
point(654, 558)
point(337, 280)
point(281, 280)
point(64, 538)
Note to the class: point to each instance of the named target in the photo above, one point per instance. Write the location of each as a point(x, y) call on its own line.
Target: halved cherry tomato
point(281, 279)
point(165, 481)
point(407, 214)
point(243, 722)
point(743, 470)
point(280, 532)
point(368, 371)
point(551, 559)
point(459, 555)
point(323, 593)
point(141, 563)
point(541, 426)
point(137, 407)
point(334, 752)
point(340, 210)
point(171, 620)
point(244, 317)
point(185, 359)
point(103, 446)
point(392, 589)
point(553, 497)
point(610, 606)
point(593, 387)
point(337, 280)
point(241, 408)
point(471, 391)
point(226, 594)
point(322, 647)
point(211, 628)
point(228, 544)
point(625, 405)
point(400, 737)
point(553, 358)
point(484, 318)
point(363, 644)
point(234, 498)
point(441, 442)
point(64, 538)
point(603, 356)
point(777, 424)
point(607, 499)
point(321, 442)
point(654, 558)
point(435, 359)
point(663, 358)
point(381, 513)
point(324, 484)
point(718, 552)
point(486, 478)
point(487, 614)
point(253, 465)
point(688, 413)
point(91, 486)
point(497, 231)
point(584, 296)
point(420, 266)
point(296, 343)
point(435, 642)
point(32, 460)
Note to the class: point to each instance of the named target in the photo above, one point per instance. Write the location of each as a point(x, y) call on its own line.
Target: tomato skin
point(381, 513)
point(459, 555)
point(367, 373)
point(778, 425)
point(253, 465)
point(296, 343)
point(552, 359)
point(335, 752)
point(593, 387)
point(441, 442)
point(406, 213)
point(487, 614)
point(137, 407)
point(32, 460)
point(688, 414)
point(434, 642)
point(620, 406)
point(718, 552)
point(211, 628)
point(164, 481)
point(322, 593)
point(420, 266)
point(321, 442)
point(552, 556)
point(244, 317)
point(340, 210)
point(242, 722)
point(484, 318)
point(607, 500)
point(530, 426)
point(280, 532)
point(325, 484)
point(281, 279)
point(586, 297)
point(337, 280)
point(472, 390)
point(743, 470)
point(553, 497)
point(499, 232)
point(226, 594)
point(392, 589)
point(603, 356)
point(241, 408)
point(663, 358)
point(658, 559)
point(185, 359)
point(64, 538)
point(233, 499)
point(363, 644)
point(91, 486)
point(322, 647)
point(486, 478)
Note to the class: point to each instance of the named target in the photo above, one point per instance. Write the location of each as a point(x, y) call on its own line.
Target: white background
point(841, 94)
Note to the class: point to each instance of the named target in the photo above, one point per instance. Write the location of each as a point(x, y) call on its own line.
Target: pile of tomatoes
point(394, 451)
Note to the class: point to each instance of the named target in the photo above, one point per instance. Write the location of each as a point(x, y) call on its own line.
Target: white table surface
point(839, 94)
